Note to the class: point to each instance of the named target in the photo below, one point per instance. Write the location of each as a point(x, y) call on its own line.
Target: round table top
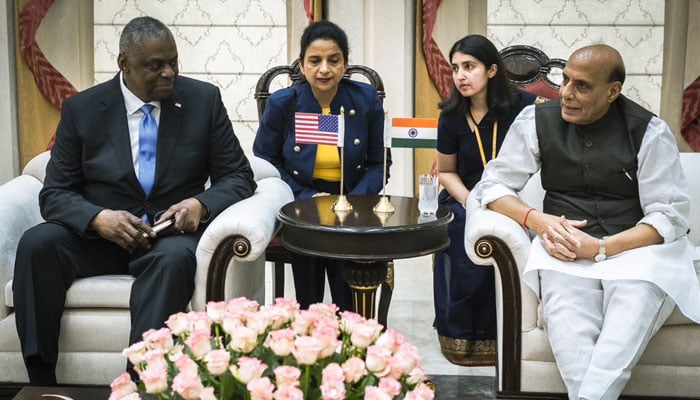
point(312, 227)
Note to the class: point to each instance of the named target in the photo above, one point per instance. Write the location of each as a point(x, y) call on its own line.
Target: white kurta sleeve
point(663, 189)
point(516, 162)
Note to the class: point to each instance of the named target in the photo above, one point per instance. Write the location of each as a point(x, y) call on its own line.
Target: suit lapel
point(169, 131)
point(113, 114)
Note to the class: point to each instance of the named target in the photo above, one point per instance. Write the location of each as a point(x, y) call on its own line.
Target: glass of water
point(428, 194)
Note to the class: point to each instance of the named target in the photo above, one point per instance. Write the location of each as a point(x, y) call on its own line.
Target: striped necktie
point(148, 137)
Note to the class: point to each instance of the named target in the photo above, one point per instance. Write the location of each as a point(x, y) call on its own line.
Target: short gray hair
point(139, 28)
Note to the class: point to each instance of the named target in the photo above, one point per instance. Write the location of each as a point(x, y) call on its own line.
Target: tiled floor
point(411, 313)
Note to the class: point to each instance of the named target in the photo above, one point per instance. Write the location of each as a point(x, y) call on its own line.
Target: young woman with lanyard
point(471, 128)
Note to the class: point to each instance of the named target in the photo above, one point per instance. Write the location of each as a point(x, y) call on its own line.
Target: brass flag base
point(342, 204)
point(384, 206)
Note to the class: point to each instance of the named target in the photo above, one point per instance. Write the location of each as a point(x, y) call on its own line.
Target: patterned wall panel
point(633, 27)
point(226, 42)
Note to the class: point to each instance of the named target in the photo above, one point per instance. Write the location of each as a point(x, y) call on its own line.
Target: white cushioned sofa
point(670, 366)
point(95, 325)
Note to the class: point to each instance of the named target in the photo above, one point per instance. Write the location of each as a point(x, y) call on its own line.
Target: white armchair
point(95, 324)
point(670, 366)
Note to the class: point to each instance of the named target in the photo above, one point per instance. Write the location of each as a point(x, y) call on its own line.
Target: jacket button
point(589, 143)
point(297, 149)
point(356, 142)
point(352, 112)
point(359, 166)
point(295, 172)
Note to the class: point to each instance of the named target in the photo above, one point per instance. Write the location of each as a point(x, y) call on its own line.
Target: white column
point(9, 154)
point(381, 37)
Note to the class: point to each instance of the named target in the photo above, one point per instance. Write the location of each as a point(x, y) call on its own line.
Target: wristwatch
point(601, 251)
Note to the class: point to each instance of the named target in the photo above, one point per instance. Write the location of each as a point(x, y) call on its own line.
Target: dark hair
point(139, 28)
point(324, 30)
point(617, 73)
point(500, 96)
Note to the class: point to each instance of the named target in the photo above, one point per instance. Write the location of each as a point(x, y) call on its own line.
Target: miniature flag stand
point(409, 133)
point(313, 128)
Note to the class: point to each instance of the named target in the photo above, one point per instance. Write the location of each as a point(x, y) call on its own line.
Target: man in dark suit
point(107, 183)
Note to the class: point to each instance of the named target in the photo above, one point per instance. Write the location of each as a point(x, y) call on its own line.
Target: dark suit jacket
point(364, 137)
point(91, 165)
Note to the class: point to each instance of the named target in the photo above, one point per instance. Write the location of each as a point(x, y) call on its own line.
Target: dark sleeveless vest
point(590, 171)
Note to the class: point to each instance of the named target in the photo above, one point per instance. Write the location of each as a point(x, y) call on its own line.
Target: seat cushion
point(106, 291)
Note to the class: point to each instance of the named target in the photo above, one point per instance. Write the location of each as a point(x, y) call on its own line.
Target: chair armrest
point(19, 211)
point(493, 238)
point(239, 234)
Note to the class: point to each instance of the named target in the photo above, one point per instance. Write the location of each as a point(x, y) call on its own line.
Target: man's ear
point(614, 91)
point(122, 63)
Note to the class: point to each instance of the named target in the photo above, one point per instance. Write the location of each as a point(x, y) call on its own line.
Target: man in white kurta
point(606, 285)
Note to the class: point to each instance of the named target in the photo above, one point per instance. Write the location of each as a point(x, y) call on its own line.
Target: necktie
point(148, 137)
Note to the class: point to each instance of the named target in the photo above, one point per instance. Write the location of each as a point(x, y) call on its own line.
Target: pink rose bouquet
point(241, 350)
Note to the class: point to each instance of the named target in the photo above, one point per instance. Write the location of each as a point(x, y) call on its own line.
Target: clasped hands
point(129, 231)
point(563, 239)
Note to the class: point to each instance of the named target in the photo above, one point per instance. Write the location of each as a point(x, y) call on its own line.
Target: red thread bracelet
point(527, 214)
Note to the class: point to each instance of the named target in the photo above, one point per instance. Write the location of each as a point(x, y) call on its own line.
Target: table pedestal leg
point(364, 277)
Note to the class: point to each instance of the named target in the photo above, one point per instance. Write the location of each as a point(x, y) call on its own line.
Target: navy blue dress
point(464, 293)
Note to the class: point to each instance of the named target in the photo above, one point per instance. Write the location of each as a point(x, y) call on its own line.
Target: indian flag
point(411, 132)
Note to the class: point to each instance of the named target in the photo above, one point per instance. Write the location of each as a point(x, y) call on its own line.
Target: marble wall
point(633, 27)
point(226, 42)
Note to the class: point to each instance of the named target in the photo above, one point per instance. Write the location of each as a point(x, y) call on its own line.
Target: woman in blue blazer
point(314, 170)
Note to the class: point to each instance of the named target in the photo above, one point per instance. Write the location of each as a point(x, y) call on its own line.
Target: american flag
point(319, 129)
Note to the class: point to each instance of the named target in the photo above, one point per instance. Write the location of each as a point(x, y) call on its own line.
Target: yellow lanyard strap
point(481, 145)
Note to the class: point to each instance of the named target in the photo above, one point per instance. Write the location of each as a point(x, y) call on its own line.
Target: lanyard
point(478, 139)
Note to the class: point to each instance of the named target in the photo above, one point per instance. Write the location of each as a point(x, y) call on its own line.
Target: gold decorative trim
point(468, 352)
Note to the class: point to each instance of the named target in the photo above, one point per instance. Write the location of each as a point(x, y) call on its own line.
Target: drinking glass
point(427, 194)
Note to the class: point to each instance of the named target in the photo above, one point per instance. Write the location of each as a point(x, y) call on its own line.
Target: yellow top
point(327, 166)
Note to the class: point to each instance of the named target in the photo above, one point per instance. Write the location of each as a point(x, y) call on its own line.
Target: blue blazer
point(364, 138)
point(91, 166)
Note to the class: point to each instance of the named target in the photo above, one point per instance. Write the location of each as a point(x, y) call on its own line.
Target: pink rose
point(159, 339)
point(122, 386)
point(156, 358)
point(328, 336)
point(243, 305)
point(332, 372)
point(232, 321)
point(415, 376)
point(334, 390)
point(390, 386)
point(421, 392)
point(185, 363)
point(306, 349)
point(217, 361)
point(288, 393)
point(131, 396)
point(281, 342)
point(303, 322)
point(377, 360)
point(288, 305)
point(365, 333)
point(155, 378)
point(407, 355)
point(391, 339)
point(277, 316)
point(199, 321)
point(207, 394)
point(354, 369)
point(260, 388)
point(348, 320)
point(327, 310)
point(247, 369)
point(136, 353)
point(199, 343)
point(216, 310)
point(187, 384)
point(287, 375)
point(374, 393)
point(178, 323)
point(243, 339)
point(259, 321)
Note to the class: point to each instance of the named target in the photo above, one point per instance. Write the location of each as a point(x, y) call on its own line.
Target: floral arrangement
point(241, 350)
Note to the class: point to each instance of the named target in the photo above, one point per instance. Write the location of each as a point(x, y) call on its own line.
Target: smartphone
point(163, 225)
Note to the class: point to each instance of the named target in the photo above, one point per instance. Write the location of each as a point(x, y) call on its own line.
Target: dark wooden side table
point(363, 239)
